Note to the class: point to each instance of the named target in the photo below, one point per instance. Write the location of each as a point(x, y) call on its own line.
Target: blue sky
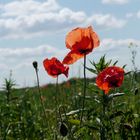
point(35, 29)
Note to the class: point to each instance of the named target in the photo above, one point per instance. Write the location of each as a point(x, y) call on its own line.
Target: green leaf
point(115, 63)
point(115, 95)
point(108, 63)
point(127, 73)
point(128, 126)
point(124, 66)
point(74, 112)
point(74, 122)
point(92, 127)
point(91, 70)
point(120, 105)
point(116, 114)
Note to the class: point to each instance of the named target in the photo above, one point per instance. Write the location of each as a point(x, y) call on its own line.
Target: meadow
point(24, 115)
point(104, 107)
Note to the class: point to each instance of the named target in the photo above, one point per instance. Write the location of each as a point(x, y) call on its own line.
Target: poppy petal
point(72, 57)
point(66, 71)
point(95, 38)
point(80, 41)
point(72, 37)
point(109, 78)
point(54, 67)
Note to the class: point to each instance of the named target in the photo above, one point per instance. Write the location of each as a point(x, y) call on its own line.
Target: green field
point(50, 114)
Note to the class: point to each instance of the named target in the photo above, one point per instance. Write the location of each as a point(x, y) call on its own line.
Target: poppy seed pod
point(35, 64)
point(136, 91)
point(63, 129)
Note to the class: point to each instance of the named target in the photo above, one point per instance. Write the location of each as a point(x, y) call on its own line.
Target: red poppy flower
point(80, 41)
point(110, 77)
point(54, 67)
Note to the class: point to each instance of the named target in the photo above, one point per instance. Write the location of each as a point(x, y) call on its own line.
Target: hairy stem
point(40, 94)
point(56, 93)
point(102, 118)
point(84, 91)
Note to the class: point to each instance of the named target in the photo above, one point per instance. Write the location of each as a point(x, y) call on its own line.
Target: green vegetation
point(22, 116)
point(53, 111)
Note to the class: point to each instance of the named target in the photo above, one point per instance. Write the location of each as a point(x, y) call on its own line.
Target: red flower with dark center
point(110, 77)
point(80, 41)
point(54, 67)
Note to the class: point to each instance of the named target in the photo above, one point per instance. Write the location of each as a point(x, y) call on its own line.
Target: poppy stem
point(56, 106)
point(35, 65)
point(66, 118)
point(102, 117)
point(84, 91)
point(56, 92)
point(40, 94)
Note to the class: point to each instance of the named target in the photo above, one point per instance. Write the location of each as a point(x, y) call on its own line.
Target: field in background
point(22, 117)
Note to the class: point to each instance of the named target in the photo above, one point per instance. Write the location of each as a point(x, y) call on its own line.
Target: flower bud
point(35, 64)
point(63, 129)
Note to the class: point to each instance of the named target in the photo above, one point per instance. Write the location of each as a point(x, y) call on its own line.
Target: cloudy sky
point(35, 29)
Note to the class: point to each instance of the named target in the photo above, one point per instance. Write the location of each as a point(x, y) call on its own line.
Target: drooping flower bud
point(35, 64)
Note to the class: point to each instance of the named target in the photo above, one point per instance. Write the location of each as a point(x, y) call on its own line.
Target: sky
point(32, 30)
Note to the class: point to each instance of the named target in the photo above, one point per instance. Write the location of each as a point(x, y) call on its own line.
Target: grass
point(22, 116)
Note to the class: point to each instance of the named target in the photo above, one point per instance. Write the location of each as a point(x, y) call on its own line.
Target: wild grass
point(22, 116)
point(53, 111)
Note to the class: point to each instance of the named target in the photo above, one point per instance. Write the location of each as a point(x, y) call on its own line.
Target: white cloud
point(133, 15)
point(109, 44)
point(3, 67)
point(115, 1)
point(118, 50)
point(138, 14)
point(29, 52)
point(129, 15)
point(19, 60)
point(106, 21)
point(30, 18)
point(24, 56)
point(17, 8)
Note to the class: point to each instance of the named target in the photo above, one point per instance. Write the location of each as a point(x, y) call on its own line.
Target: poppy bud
point(136, 91)
point(63, 129)
point(35, 64)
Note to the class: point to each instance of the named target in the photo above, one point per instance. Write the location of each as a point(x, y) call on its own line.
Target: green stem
point(103, 118)
point(56, 108)
point(40, 94)
point(8, 97)
point(84, 91)
point(56, 93)
point(67, 120)
point(111, 124)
